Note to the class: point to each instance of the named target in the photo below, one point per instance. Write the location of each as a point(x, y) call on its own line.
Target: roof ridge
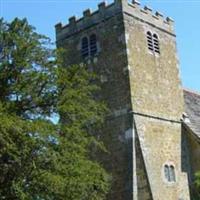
point(191, 91)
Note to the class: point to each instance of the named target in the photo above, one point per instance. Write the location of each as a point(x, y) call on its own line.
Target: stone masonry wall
point(157, 99)
point(161, 144)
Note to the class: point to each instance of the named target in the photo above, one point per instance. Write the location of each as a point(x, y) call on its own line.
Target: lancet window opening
point(169, 172)
point(89, 46)
point(93, 44)
point(85, 47)
point(153, 42)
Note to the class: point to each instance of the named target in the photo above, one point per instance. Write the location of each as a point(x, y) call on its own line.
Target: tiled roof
point(192, 109)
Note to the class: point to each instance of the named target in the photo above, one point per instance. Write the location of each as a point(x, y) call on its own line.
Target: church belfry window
point(89, 46)
point(93, 44)
point(153, 42)
point(85, 47)
point(150, 41)
point(169, 172)
point(156, 43)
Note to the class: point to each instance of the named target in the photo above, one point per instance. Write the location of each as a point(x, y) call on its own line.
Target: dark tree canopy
point(40, 160)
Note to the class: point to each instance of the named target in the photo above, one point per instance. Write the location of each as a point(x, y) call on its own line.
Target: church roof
point(192, 109)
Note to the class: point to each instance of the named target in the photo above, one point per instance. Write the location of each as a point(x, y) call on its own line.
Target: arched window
point(85, 47)
point(169, 172)
point(156, 43)
point(153, 42)
point(150, 41)
point(166, 169)
point(93, 44)
point(172, 174)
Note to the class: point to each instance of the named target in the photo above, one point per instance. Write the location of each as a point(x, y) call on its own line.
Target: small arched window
point(150, 41)
point(172, 174)
point(166, 169)
point(153, 42)
point(93, 44)
point(169, 172)
point(156, 43)
point(85, 47)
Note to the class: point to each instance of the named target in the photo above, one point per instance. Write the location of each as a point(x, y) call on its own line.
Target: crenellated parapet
point(105, 12)
point(147, 15)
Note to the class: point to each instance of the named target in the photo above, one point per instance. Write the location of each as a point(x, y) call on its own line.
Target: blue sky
point(44, 14)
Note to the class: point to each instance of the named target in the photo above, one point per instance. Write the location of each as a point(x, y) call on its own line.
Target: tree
point(197, 186)
point(39, 159)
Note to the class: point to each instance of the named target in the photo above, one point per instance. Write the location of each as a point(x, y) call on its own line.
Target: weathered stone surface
point(156, 91)
point(144, 94)
point(161, 143)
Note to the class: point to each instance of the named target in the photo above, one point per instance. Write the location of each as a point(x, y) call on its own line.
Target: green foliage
point(38, 159)
point(197, 182)
point(196, 190)
point(26, 70)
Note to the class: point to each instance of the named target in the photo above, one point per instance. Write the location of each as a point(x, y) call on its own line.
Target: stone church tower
point(134, 52)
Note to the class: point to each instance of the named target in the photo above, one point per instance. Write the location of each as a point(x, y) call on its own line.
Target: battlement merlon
point(105, 12)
